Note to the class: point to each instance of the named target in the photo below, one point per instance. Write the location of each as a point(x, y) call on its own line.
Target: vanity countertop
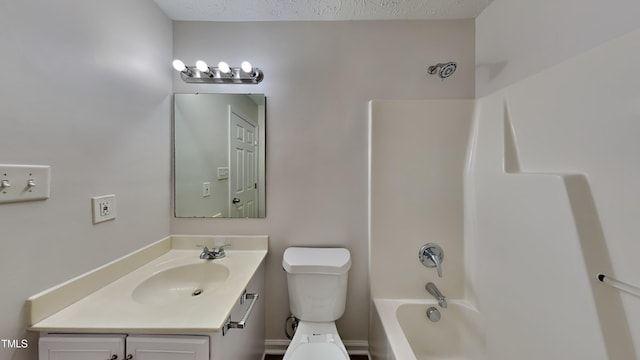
point(112, 306)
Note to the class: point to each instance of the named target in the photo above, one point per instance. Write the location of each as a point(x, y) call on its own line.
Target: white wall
point(86, 89)
point(319, 77)
point(418, 153)
point(516, 39)
point(536, 240)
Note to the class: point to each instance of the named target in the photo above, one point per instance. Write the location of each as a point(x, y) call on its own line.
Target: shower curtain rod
point(620, 285)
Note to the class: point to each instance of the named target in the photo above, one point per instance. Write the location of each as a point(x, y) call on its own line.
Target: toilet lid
point(332, 261)
point(318, 351)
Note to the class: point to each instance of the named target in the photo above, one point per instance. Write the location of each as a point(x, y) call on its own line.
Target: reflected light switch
point(223, 173)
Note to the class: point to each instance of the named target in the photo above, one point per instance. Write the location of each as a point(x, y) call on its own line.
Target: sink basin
point(180, 283)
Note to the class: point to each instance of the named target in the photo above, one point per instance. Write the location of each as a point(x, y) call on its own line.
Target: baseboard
point(279, 346)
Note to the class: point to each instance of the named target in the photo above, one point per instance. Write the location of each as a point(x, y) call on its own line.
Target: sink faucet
point(216, 253)
point(433, 290)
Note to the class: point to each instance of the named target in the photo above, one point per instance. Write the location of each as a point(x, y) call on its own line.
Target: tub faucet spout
point(433, 290)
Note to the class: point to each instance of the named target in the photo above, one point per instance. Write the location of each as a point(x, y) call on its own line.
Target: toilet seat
point(316, 341)
point(318, 351)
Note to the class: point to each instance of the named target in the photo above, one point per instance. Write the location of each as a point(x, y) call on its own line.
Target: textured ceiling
point(294, 10)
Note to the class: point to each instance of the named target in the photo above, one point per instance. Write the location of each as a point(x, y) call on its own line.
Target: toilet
point(317, 282)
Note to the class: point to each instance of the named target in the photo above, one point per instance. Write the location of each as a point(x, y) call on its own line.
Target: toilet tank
point(317, 282)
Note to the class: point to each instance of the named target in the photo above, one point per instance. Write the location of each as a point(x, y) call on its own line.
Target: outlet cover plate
point(206, 189)
point(103, 208)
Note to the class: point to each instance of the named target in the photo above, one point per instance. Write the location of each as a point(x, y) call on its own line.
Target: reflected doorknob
point(235, 200)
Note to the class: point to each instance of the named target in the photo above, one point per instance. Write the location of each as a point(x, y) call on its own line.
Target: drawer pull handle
point(242, 323)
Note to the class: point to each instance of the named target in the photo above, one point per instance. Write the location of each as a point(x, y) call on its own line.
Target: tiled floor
point(279, 357)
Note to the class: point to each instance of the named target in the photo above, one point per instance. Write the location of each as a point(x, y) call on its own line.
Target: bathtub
point(400, 330)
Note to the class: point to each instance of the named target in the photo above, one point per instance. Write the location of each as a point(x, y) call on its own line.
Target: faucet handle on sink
point(205, 254)
point(220, 250)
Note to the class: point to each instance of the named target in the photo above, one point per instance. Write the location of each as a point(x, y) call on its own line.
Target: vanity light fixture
point(202, 66)
point(180, 66)
point(248, 68)
point(224, 67)
point(223, 74)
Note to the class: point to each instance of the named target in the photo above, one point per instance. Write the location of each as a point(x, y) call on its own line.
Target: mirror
point(219, 155)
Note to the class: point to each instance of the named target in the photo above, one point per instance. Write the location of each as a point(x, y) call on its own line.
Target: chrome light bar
point(222, 74)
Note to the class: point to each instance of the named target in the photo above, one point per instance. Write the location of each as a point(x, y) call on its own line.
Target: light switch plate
point(103, 208)
point(24, 182)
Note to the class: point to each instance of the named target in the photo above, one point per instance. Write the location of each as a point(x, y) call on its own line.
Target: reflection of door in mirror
point(219, 160)
point(242, 165)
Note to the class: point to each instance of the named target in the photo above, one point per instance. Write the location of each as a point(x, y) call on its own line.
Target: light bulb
point(246, 67)
point(179, 65)
point(202, 66)
point(224, 67)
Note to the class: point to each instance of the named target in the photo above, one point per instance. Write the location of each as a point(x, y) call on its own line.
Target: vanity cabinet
point(81, 347)
point(116, 347)
point(246, 343)
point(221, 318)
point(155, 347)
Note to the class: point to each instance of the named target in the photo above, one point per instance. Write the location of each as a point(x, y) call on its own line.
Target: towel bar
point(620, 285)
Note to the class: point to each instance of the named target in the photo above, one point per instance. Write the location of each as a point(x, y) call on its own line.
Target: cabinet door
point(81, 347)
point(158, 347)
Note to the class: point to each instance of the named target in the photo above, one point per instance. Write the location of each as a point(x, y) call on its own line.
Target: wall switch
point(206, 189)
point(104, 208)
point(24, 182)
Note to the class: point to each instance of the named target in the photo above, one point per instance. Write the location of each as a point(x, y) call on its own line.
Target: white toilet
point(317, 281)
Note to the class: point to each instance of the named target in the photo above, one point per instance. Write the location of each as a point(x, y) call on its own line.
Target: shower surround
point(549, 192)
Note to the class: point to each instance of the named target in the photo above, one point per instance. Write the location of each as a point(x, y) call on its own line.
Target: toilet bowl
point(317, 283)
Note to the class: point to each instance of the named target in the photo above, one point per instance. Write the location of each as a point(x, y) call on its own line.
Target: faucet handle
point(205, 252)
point(221, 247)
point(219, 251)
point(204, 248)
point(432, 255)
